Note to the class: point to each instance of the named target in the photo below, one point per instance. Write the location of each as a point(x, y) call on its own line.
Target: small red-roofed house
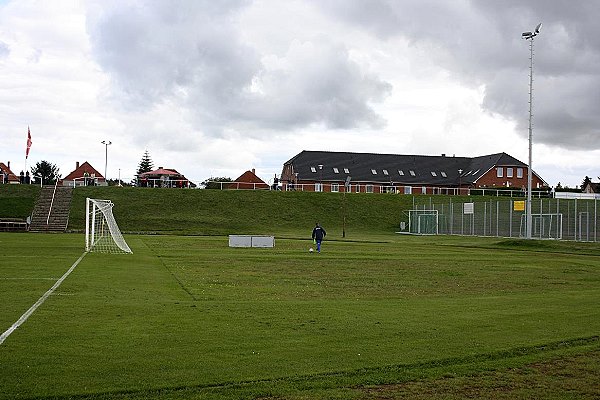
point(249, 180)
point(84, 175)
point(164, 177)
point(6, 175)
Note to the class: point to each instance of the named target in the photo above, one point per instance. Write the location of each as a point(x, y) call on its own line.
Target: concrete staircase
point(59, 214)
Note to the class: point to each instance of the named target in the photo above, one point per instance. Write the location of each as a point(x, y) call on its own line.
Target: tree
point(214, 183)
point(586, 181)
point(146, 164)
point(47, 171)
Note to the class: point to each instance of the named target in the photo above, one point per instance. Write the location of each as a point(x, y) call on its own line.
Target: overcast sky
point(214, 88)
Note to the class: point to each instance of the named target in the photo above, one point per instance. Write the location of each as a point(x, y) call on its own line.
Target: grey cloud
point(479, 43)
point(195, 55)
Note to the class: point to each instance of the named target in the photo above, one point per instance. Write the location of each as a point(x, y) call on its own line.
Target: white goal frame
point(102, 234)
point(544, 226)
point(423, 222)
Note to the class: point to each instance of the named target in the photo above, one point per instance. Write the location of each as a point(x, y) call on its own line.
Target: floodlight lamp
point(527, 35)
point(537, 28)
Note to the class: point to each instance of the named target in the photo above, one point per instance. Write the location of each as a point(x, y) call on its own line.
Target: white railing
point(51, 202)
point(165, 183)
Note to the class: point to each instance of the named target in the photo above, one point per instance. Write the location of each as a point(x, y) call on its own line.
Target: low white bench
point(251, 241)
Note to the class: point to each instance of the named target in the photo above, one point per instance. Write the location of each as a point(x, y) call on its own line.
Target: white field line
point(38, 303)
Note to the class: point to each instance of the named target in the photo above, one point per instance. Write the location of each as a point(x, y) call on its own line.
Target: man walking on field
point(318, 234)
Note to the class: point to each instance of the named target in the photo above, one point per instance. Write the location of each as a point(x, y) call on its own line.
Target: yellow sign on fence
point(519, 206)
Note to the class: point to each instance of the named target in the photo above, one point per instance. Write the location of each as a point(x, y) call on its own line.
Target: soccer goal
point(423, 222)
point(543, 226)
point(102, 234)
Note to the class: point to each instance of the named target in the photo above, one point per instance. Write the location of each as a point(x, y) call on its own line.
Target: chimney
point(8, 165)
point(76, 164)
point(253, 171)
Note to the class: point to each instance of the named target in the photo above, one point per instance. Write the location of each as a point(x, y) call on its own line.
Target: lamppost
point(346, 187)
point(529, 36)
point(106, 143)
point(460, 171)
point(320, 178)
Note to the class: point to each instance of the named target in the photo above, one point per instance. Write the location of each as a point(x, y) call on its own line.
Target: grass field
point(188, 317)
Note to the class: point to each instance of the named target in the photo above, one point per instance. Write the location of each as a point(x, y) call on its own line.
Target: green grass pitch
point(189, 317)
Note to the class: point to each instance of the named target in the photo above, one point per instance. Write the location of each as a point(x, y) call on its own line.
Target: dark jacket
point(318, 233)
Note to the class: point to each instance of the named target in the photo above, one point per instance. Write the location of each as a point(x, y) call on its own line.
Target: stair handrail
point(52, 202)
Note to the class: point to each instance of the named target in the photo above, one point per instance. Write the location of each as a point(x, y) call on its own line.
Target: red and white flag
point(28, 143)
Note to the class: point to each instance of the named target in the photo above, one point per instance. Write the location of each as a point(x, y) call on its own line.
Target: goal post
point(544, 226)
point(102, 233)
point(423, 222)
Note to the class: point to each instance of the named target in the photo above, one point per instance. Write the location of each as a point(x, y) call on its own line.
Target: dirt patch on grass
point(573, 377)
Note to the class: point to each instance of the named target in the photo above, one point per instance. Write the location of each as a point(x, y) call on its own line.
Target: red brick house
point(591, 187)
point(6, 175)
point(248, 180)
point(409, 174)
point(84, 175)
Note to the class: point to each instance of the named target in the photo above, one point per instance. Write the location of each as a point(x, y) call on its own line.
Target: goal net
point(543, 226)
point(102, 234)
point(423, 222)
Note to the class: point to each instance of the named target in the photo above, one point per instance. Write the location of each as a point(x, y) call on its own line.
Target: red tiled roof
point(11, 176)
point(81, 170)
point(161, 171)
point(249, 180)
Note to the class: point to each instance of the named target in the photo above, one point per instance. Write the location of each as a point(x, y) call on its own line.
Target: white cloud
point(216, 88)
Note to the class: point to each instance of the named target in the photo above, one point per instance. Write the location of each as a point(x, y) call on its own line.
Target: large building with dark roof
point(368, 172)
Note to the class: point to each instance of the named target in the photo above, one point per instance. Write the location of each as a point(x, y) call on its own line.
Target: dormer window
point(412, 173)
point(400, 172)
point(335, 170)
point(313, 169)
point(433, 173)
point(385, 172)
point(346, 171)
point(443, 174)
point(374, 171)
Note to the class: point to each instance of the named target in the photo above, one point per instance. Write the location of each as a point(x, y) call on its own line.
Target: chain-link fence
point(566, 219)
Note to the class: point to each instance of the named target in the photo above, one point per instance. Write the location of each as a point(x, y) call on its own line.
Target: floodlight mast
point(529, 36)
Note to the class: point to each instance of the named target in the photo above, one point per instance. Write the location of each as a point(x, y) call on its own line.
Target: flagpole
point(27, 148)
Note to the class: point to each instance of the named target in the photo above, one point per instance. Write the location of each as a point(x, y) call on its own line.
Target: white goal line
point(38, 303)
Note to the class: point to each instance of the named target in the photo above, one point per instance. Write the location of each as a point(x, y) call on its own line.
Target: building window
point(385, 172)
point(433, 173)
point(335, 187)
point(444, 174)
point(499, 172)
point(519, 172)
point(313, 169)
point(509, 172)
point(412, 173)
point(346, 171)
point(369, 188)
point(400, 172)
point(335, 170)
point(374, 171)
point(318, 187)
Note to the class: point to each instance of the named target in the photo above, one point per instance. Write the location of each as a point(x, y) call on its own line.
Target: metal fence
point(563, 219)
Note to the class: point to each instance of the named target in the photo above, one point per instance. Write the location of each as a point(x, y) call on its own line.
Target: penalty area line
point(38, 303)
